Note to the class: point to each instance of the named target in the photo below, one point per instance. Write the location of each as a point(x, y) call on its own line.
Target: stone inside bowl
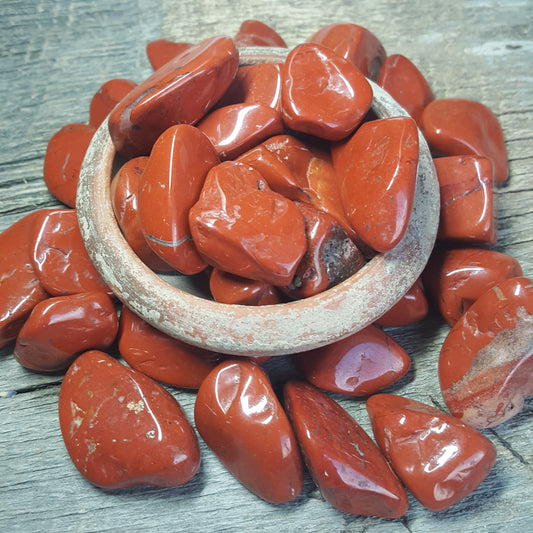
point(180, 306)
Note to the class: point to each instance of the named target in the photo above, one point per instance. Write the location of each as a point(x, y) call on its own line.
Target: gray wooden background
point(54, 54)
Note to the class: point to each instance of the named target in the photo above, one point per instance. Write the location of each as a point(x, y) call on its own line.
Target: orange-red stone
point(486, 361)
point(412, 307)
point(439, 459)
point(256, 33)
point(346, 465)
point(122, 429)
point(161, 51)
point(106, 98)
point(241, 420)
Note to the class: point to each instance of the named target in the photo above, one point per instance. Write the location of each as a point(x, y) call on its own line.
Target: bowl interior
point(180, 305)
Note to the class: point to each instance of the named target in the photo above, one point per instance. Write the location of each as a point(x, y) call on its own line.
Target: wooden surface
point(54, 54)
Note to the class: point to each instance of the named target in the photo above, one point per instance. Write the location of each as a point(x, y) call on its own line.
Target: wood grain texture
point(54, 54)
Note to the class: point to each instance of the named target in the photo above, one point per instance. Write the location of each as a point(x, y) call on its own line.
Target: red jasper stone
point(60, 328)
point(377, 170)
point(161, 357)
point(467, 210)
point(242, 227)
point(180, 92)
point(20, 288)
point(233, 129)
point(486, 361)
point(331, 256)
point(62, 161)
point(358, 365)
point(122, 429)
point(241, 420)
point(346, 465)
point(354, 43)
point(453, 126)
point(406, 84)
point(124, 199)
point(456, 278)
point(255, 84)
point(169, 186)
point(59, 256)
point(161, 51)
point(106, 98)
point(412, 307)
point(439, 459)
point(230, 289)
point(322, 93)
point(256, 33)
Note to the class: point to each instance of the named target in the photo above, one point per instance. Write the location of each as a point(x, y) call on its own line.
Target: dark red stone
point(62, 161)
point(180, 92)
point(322, 93)
point(122, 429)
point(242, 227)
point(439, 459)
point(241, 420)
point(412, 307)
point(168, 188)
point(256, 33)
point(230, 289)
point(358, 365)
point(346, 465)
point(377, 170)
point(331, 256)
point(161, 51)
point(467, 204)
point(406, 84)
point(59, 256)
point(20, 288)
point(354, 43)
point(456, 278)
point(453, 126)
point(60, 328)
point(233, 129)
point(106, 98)
point(486, 361)
point(161, 357)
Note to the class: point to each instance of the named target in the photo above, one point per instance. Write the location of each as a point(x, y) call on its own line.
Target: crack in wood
point(405, 524)
point(508, 446)
point(30, 388)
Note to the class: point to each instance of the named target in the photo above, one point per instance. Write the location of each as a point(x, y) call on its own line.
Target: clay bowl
point(181, 307)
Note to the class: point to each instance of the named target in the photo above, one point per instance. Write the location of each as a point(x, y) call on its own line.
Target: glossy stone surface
point(122, 429)
point(358, 365)
point(124, 199)
point(59, 256)
point(322, 93)
point(106, 98)
point(168, 188)
point(346, 465)
point(467, 208)
point(255, 84)
point(236, 128)
point(241, 420)
point(230, 289)
point(439, 459)
point(161, 357)
point(377, 170)
point(20, 288)
point(331, 256)
point(486, 361)
point(454, 126)
point(62, 161)
point(256, 33)
point(60, 328)
point(455, 278)
point(354, 43)
point(411, 308)
point(406, 84)
point(182, 91)
point(242, 227)
point(161, 51)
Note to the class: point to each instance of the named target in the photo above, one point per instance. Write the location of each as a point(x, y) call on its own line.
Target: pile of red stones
point(277, 182)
